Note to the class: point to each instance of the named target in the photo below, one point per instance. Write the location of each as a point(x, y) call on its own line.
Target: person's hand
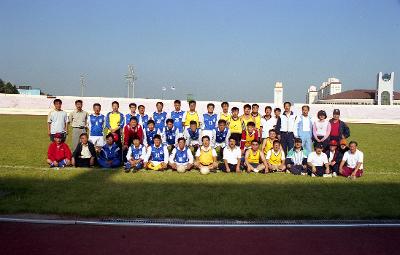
point(314, 170)
point(228, 170)
point(48, 133)
point(124, 147)
point(289, 165)
point(55, 163)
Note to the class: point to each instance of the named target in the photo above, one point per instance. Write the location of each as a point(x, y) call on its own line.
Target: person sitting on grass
point(352, 163)
point(232, 157)
point(268, 143)
point(206, 156)
point(58, 153)
point(343, 146)
point(156, 155)
point(85, 153)
point(110, 154)
point(181, 158)
point(220, 138)
point(334, 158)
point(276, 158)
point(296, 160)
point(254, 159)
point(317, 161)
point(136, 155)
point(192, 135)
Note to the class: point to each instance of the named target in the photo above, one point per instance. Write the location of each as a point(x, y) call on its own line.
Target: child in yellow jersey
point(235, 125)
point(257, 117)
point(191, 115)
point(206, 156)
point(224, 115)
point(254, 159)
point(276, 158)
point(268, 142)
point(246, 117)
point(248, 135)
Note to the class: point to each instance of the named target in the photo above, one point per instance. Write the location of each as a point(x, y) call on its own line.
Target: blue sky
point(216, 50)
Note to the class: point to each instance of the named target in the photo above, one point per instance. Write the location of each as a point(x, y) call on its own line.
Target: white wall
point(41, 105)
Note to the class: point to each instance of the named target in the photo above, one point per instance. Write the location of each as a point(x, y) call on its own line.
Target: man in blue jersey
point(177, 116)
point(132, 113)
point(110, 154)
point(96, 127)
point(220, 138)
point(181, 158)
point(149, 133)
point(159, 116)
point(142, 117)
point(136, 155)
point(193, 136)
point(209, 121)
point(156, 156)
point(169, 135)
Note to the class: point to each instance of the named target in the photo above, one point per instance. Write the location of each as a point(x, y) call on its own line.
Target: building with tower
point(278, 94)
point(384, 89)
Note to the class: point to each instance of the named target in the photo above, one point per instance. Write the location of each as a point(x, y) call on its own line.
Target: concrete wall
point(41, 105)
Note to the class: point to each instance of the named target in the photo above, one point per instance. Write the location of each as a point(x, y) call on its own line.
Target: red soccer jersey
point(129, 133)
point(335, 128)
point(247, 138)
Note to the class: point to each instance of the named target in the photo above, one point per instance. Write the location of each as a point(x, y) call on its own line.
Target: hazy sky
point(214, 49)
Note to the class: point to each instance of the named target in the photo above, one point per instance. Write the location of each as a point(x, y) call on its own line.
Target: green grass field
point(27, 185)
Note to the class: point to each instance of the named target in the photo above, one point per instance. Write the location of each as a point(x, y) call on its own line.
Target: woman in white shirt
point(322, 130)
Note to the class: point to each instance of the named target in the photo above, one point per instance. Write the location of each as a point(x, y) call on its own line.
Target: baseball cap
point(319, 145)
point(336, 112)
point(333, 143)
point(58, 135)
point(343, 142)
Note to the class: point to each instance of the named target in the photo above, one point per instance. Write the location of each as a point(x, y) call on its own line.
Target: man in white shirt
point(231, 156)
point(318, 164)
point(352, 162)
point(268, 122)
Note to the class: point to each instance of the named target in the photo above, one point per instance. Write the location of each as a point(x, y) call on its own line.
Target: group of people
point(183, 140)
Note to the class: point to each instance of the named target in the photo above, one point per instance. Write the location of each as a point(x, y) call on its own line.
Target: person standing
point(304, 128)
point(339, 129)
point(268, 122)
point(115, 122)
point(321, 130)
point(78, 120)
point(285, 128)
point(57, 121)
point(177, 116)
point(96, 127)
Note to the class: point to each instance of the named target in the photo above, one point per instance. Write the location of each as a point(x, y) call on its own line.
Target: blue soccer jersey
point(159, 119)
point(178, 120)
point(210, 121)
point(96, 124)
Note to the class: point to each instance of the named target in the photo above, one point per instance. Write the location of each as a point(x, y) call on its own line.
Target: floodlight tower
point(130, 79)
point(83, 85)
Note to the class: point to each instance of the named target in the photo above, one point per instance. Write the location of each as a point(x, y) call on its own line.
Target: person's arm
point(311, 165)
point(246, 156)
point(263, 159)
point(166, 155)
point(148, 155)
point(315, 132)
point(184, 118)
point(228, 134)
point(121, 121)
point(172, 156)
point(129, 154)
point(127, 135)
point(71, 117)
point(243, 140)
point(359, 163)
point(68, 153)
point(190, 156)
point(296, 127)
point(107, 117)
point(213, 138)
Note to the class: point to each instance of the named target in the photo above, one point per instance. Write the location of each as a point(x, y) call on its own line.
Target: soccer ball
point(204, 170)
point(181, 169)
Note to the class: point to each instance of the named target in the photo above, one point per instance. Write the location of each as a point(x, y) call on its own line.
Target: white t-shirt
point(267, 125)
point(317, 160)
point(352, 159)
point(57, 120)
point(232, 155)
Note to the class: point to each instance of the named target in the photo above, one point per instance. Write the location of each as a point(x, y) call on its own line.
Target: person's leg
point(75, 138)
point(296, 169)
point(284, 138)
point(259, 168)
point(138, 166)
point(290, 142)
point(320, 170)
point(307, 143)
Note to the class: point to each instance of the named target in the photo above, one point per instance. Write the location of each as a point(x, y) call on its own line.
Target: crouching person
point(206, 156)
point(157, 155)
point(232, 157)
point(85, 153)
point(276, 158)
point(181, 158)
point(58, 153)
point(135, 156)
point(334, 157)
point(296, 160)
point(110, 154)
point(352, 163)
point(317, 161)
point(254, 158)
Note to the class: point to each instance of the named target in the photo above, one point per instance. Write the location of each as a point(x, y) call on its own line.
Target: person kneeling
point(206, 156)
point(157, 155)
point(58, 154)
point(110, 154)
point(276, 158)
point(85, 153)
point(317, 161)
point(136, 155)
point(352, 163)
point(296, 160)
point(181, 158)
point(254, 159)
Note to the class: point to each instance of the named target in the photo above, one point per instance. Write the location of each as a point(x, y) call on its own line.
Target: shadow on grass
point(100, 193)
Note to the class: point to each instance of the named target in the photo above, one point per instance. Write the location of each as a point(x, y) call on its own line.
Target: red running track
point(25, 238)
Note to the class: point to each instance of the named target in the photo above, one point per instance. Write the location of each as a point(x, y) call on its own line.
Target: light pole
point(130, 79)
point(82, 79)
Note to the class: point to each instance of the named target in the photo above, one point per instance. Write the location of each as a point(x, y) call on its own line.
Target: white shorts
point(97, 140)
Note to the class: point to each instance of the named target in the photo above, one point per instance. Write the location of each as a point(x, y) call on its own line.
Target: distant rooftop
point(359, 94)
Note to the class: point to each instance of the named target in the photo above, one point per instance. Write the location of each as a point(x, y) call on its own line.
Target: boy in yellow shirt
point(235, 125)
point(254, 159)
point(206, 156)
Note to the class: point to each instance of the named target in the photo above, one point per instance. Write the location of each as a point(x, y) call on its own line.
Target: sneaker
point(303, 173)
point(127, 170)
point(287, 171)
point(334, 174)
point(327, 175)
point(312, 175)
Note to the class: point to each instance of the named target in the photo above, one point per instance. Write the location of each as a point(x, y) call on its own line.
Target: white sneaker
point(327, 175)
point(312, 175)
point(303, 173)
point(334, 174)
point(287, 171)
